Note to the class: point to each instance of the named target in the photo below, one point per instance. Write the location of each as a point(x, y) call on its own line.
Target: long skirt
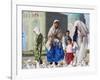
point(55, 53)
point(69, 57)
point(82, 51)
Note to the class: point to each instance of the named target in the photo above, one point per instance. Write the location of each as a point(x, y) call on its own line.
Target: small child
point(69, 56)
point(65, 38)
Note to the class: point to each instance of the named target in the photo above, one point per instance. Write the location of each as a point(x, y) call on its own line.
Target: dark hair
point(75, 36)
point(69, 39)
point(68, 31)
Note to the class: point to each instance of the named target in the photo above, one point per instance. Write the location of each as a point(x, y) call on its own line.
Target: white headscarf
point(56, 21)
point(81, 27)
point(36, 30)
point(53, 31)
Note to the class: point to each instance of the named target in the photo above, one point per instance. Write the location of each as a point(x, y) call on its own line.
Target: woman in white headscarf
point(82, 41)
point(38, 45)
point(55, 51)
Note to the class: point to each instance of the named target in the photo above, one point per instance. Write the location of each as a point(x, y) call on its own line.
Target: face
point(68, 41)
point(56, 25)
point(67, 33)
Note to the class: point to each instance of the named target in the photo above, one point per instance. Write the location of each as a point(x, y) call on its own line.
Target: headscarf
point(53, 31)
point(81, 27)
point(51, 34)
point(36, 30)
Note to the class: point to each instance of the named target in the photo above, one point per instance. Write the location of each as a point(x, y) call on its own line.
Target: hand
point(55, 35)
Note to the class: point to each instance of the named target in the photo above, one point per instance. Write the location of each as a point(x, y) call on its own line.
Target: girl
point(69, 56)
point(65, 38)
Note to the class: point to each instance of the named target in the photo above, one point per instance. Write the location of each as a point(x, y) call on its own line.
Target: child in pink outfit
point(69, 56)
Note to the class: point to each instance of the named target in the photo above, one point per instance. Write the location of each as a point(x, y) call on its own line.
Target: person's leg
point(66, 58)
point(40, 61)
point(74, 60)
point(56, 63)
point(40, 51)
point(70, 58)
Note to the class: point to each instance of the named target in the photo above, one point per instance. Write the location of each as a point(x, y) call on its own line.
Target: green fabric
point(38, 47)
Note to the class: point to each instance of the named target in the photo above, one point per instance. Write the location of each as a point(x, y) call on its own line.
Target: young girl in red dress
point(69, 56)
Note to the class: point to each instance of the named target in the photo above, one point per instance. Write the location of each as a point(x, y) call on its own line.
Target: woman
point(55, 51)
point(82, 40)
point(38, 45)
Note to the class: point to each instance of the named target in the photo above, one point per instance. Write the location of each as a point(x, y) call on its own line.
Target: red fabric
point(69, 57)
